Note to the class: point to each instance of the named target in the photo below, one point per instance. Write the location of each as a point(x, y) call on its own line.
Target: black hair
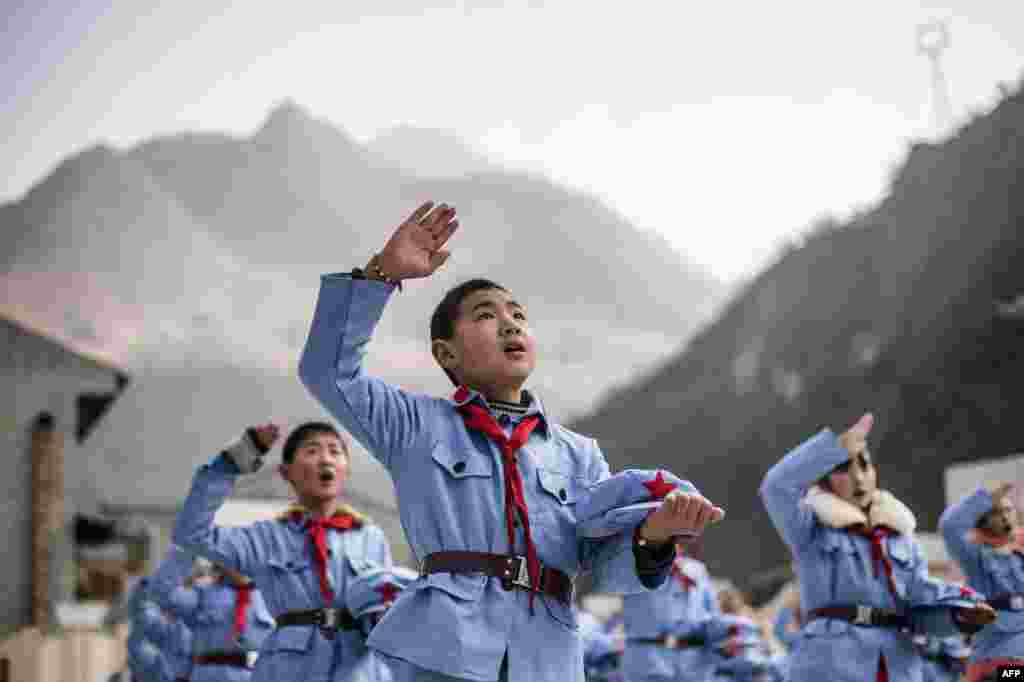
point(304, 431)
point(826, 484)
point(446, 314)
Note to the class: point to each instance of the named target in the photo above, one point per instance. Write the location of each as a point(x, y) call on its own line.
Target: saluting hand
point(855, 440)
point(998, 489)
point(416, 247)
point(680, 514)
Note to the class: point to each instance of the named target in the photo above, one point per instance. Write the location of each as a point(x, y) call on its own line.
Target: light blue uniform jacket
point(989, 570)
point(144, 657)
point(667, 611)
point(208, 612)
point(174, 641)
point(835, 568)
point(450, 488)
point(949, 648)
point(277, 555)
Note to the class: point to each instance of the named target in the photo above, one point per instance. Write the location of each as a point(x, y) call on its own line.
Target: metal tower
point(932, 40)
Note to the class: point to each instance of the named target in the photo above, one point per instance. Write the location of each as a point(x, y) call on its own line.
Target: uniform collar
point(465, 395)
point(298, 515)
point(836, 512)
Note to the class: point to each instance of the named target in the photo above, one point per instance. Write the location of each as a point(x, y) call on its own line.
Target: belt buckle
point(327, 619)
point(671, 642)
point(1017, 602)
point(518, 574)
point(863, 616)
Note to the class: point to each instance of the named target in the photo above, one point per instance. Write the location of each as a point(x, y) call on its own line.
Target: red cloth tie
point(685, 581)
point(317, 529)
point(243, 597)
point(878, 556)
point(883, 670)
point(479, 419)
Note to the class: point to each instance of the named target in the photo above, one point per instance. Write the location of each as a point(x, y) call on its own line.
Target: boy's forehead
point(496, 296)
point(323, 438)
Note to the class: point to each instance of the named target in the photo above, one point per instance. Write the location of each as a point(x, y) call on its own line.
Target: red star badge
point(659, 487)
point(966, 592)
point(388, 591)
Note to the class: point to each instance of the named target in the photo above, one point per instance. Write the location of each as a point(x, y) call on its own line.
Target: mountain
point(429, 153)
point(208, 248)
point(910, 310)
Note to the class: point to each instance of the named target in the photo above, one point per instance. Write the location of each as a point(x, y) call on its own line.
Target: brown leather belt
point(222, 658)
point(866, 616)
point(1007, 602)
point(329, 619)
point(668, 641)
point(510, 569)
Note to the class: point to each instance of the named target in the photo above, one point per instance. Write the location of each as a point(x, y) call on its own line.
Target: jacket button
point(562, 494)
point(459, 467)
point(330, 552)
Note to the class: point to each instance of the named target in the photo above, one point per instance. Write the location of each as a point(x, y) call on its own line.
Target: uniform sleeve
point(194, 530)
point(166, 587)
point(785, 484)
point(933, 602)
point(386, 420)
point(956, 522)
point(616, 567)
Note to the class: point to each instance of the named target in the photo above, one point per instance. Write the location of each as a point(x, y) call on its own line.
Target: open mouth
point(515, 348)
point(326, 476)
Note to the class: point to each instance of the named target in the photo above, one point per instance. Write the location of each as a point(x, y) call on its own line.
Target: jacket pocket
point(459, 464)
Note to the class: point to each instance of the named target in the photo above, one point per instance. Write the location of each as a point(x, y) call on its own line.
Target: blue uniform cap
point(622, 502)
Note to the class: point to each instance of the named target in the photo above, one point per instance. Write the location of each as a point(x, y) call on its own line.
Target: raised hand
point(855, 440)
point(680, 514)
point(998, 489)
point(266, 435)
point(416, 247)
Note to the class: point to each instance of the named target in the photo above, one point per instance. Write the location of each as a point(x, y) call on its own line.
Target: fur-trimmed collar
point(342, 510)
point(885, 510)
point(1007, 545)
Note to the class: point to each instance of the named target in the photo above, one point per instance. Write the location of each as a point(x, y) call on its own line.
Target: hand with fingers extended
point(998, 489)
point(855, 440)
point(416, 249)
point(680, 514)
point(975, 617)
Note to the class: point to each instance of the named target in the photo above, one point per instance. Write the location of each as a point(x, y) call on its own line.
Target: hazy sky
point(726, 126)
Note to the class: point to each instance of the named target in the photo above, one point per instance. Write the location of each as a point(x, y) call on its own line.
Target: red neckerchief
point(479, 419)
point(243, 597)
point(1014, 540)
point(685, 581)
point(878, 556)
point(317, 529)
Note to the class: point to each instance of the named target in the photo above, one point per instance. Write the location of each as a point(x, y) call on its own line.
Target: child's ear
point(283, 470)
point(444, 353)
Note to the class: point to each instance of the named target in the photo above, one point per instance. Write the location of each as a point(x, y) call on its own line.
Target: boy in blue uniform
point(227, 618)
point(487, 484)
point(863, 578)
point(302, 561)
point(174, 641)
point(983, 534)
point(654, 621)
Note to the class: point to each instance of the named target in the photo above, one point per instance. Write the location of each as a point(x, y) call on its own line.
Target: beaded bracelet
point(375, 266)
